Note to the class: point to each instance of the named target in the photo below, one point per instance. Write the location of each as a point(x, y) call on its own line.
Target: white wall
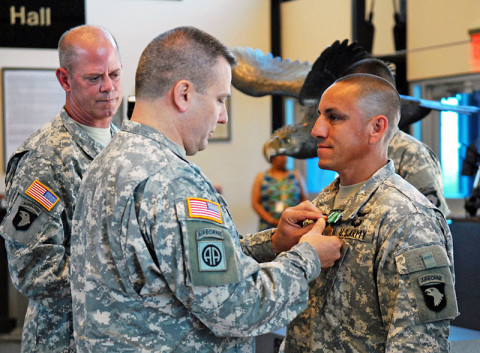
point(431, 25)
point(309, 26)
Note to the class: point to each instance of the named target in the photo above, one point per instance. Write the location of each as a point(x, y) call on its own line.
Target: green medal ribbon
point(334, 217)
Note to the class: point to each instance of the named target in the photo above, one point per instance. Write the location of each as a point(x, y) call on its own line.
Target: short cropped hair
point(183, 53)
point(376, 96)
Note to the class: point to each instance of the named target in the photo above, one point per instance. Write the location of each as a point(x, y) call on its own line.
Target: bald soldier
point(42, 180)
point(393, 288)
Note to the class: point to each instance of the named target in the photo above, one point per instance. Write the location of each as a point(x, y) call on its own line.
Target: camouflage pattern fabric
point(393, 288)
point(159, 266)
point(42, 180)
point(416, 163)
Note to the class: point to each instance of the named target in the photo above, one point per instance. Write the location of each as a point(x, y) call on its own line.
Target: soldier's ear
point(378, 127)
point(63, 78)
point(182, 94)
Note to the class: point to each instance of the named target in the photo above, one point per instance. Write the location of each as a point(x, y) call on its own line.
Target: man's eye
point(94, 78)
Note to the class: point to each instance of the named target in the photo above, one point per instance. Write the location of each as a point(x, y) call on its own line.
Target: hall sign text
point(42, 17)
point(38, 23)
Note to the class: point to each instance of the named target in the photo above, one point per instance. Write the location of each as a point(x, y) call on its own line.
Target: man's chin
point(108, 113)
point(324, 165)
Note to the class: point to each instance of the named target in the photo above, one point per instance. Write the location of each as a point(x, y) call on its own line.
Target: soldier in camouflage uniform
point(416, 163)
point(393, 288)
point(43, 177)
point(159, 263)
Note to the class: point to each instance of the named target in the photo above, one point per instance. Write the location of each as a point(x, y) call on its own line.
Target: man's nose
point(223, 118)
point(320, 128)
point(107, 85)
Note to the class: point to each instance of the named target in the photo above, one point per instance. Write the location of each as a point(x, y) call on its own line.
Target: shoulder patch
point(202, 208)
point(433, 290)
point(42, 195)
point(26, 214)
point(210, 254)
point(428, 273)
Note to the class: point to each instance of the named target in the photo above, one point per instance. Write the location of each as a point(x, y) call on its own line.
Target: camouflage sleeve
point(265, 300)
point(416, 288)
point(202, 261)
point(420, 167)
point(34, 234)
point(259, 245)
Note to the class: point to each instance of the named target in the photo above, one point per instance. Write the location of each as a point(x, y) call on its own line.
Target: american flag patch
point(42, 194)
point(201, 208)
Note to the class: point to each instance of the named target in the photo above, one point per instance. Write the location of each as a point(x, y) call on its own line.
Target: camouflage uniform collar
point(80, 136)
point(358, 203)
point(154, 134)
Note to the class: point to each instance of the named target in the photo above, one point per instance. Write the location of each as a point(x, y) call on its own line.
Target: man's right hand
point(327, 247)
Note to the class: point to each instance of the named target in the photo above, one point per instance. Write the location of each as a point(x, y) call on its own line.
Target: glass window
point(449, 133)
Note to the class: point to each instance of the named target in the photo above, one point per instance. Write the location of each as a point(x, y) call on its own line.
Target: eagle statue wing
point(332, 63)
point(257, 74)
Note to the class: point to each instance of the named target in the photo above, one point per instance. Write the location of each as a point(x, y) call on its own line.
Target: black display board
point(38, 23)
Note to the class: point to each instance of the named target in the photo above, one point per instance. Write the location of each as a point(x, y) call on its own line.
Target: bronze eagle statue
point(258, 74)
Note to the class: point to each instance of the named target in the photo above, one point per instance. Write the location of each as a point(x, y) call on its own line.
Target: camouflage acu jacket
point(393, 288)
point(42, 180)
point(159, 264)
point(416, 163)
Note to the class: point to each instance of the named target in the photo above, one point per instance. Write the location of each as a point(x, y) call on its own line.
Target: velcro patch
point(210, 254)
point(26, 220)
point(427, 268)
point(26, 214)
point(42, 195)
point(433, 289)
point(202, 208)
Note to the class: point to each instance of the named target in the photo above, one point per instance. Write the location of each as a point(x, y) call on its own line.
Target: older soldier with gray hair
point(43, 177)
point(393, 288)
point(159, 263)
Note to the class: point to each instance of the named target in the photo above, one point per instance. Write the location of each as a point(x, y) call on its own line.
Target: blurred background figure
point(275, 190)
